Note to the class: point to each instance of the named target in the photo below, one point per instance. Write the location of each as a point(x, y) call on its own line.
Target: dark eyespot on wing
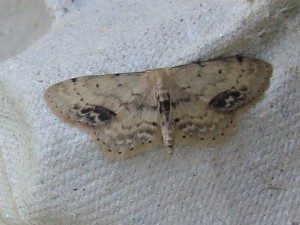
point(104, 114)
point(93, 115)
point(227, 100)
point(86, 110)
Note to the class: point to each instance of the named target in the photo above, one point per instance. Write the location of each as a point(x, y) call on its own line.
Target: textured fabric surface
point(21, 24)
point(52, 173)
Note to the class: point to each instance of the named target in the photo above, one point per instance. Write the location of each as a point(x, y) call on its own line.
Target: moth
point(129, 112)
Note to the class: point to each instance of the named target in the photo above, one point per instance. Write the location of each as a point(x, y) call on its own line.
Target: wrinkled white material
point(53, 174)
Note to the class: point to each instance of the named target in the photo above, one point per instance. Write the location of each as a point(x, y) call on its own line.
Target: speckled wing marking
point(118, 110)
point(127, 113)
point(194, 118)
point(225, 83)
point(211, 91)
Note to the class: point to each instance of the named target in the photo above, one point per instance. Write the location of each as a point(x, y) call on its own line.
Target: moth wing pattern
point(117, 110)
point(194, 119)
point(123, 113)
point(76, 100)
point(135, 131)
point(206, 93)
point(225, 84)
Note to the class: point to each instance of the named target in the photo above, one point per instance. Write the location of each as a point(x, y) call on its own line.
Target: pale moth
point(129, 112)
